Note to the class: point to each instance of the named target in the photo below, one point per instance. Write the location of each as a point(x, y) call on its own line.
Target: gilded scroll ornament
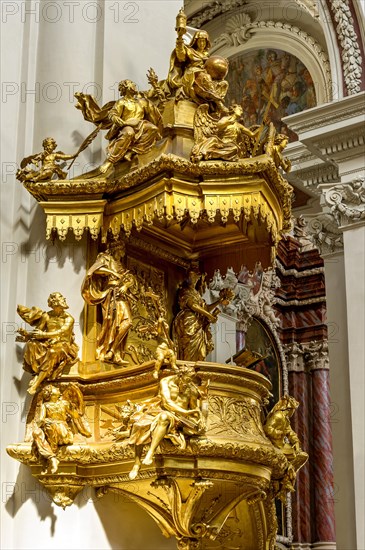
point(278, 429)
point(51, 346)
point(48, 160)
point(60, 417)
point(108, 283)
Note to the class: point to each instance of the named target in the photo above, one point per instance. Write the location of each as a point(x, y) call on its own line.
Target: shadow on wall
point(126, 525)
point(125, 521)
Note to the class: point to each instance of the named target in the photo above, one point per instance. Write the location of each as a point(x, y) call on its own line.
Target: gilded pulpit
point(141, 411)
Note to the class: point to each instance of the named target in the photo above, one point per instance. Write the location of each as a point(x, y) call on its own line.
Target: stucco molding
point(348, 40)
point(347, 201)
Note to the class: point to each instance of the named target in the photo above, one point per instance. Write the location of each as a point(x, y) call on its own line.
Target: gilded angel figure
point(60, 417)
point(224, 138)
point(133, 122)
point(48, 160)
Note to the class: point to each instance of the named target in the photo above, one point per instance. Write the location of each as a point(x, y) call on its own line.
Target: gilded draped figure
point(225, 138)
point(193, 74)
point(134, 123)
point(108, 283)
point(60, 417)
point(191, 326)
point(173, 414)
point(51, 346)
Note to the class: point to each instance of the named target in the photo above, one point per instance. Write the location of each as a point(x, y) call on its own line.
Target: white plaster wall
point(49, 51)
point(354, 252)
point(341, 418)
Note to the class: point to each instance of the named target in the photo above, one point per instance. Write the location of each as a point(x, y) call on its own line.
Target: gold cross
point(270, 101)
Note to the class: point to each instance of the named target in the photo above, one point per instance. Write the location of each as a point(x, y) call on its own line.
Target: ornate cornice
point(210, 10)
point(295, 273)
point(317, 173)
point(338, 114)
point(346, 141)
point(153, 192)
point(296, 303)
point(349, 44)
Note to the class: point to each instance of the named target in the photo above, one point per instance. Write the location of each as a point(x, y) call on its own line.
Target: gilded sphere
point(217, 67)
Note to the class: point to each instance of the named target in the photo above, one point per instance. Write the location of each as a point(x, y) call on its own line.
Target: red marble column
point(323, 517)
point(301, 499)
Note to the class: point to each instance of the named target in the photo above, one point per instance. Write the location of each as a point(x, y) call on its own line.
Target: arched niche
point(260, 339)
point(270, 35)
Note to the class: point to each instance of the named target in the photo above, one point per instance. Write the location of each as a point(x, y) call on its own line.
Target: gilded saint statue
point(193, 74)
point(133, 121)
point(165, 354)
point(225, 138)
point(48, 160)
point(176, 412)
point(191, 326)
point(51, 346)
point(278, 429)
point(60, 417)
point(108, 283)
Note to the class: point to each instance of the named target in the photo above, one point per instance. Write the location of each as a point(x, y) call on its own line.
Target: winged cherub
point(60, 417)
point(48, 160)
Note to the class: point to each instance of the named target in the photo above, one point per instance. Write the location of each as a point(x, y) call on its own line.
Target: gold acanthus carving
point(109, 452)
point(236, 418)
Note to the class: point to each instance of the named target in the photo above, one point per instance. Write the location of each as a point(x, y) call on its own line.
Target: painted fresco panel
point(256, 75)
